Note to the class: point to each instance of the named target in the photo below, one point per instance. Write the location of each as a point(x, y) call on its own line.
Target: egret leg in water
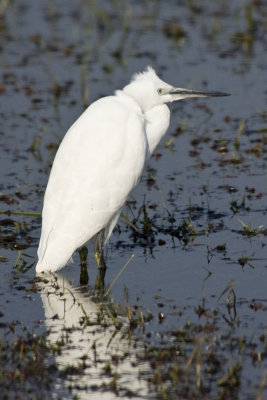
point(99, 162)
point(99, 250)
point(84, 277)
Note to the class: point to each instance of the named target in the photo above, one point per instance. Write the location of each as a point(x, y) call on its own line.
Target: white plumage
point(98, 163)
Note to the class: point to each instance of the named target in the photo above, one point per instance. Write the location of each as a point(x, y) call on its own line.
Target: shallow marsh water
point(187, 318)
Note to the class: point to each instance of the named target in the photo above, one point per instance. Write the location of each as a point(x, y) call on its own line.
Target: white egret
point(98, 163)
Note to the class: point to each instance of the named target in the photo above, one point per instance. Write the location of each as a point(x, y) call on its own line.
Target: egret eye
point(160, 91)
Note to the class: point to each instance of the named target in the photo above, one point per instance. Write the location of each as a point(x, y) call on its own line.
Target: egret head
point(150, 91)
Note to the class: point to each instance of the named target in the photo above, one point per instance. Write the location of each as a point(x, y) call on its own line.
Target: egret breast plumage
point(98, 163)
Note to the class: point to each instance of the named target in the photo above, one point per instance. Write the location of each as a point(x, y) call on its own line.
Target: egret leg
point(84, 277)
point(100, 281)
point(98, 250)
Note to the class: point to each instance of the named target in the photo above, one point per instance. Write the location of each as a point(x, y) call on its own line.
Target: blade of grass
point(118, 275)
point(229, 286)
point(26, 213)
point(130, 223)
point(239, 133)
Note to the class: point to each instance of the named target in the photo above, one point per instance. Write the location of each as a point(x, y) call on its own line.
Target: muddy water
point(192, 302)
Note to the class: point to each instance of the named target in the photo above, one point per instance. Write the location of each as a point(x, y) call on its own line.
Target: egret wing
point(98, 163)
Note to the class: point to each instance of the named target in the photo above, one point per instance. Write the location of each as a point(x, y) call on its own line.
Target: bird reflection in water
point(95, 347)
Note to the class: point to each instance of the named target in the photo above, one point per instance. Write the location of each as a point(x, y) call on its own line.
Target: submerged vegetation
point(190, 361)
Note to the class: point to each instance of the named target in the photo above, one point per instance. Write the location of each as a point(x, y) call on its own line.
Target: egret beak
point(184, 93)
